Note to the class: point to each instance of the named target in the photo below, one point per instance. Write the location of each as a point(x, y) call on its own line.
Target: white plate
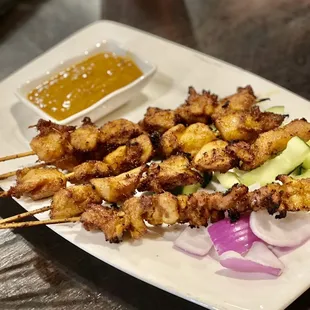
point(105, 105)
point(202, 281)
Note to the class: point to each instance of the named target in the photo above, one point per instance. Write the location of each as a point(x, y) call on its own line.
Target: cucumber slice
point(306, 163)
point(190, 189)
point(276, 109)
point(297, 171)
point(227, 179)
point(304, 175)
point(294, 155)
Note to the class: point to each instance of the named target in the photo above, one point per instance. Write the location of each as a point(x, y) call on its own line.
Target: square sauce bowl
point(106, 104)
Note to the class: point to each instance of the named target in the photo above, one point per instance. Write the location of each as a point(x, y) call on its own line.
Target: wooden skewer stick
point(69, 175)
point(25, 214)
point(4, 194)
point(20, 155)
point(37, 223)
point(7, 175)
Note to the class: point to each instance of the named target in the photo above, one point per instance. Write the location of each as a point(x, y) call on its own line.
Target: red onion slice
point(290, 231)
point(227, 236)
point(194, 241)
point(258, 259)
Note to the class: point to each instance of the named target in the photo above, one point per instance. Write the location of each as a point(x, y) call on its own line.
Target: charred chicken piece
point(214, 157)
point(185, 139)
point(198, 107)
point(118, 188)
point(135, 153)
point(196, 209)
point(86, 137)
point(169, 174)
point(89, 170)
point(53, 141)
point(118, 132)
point(246, 125)
point(37, 183)
point(268, 144)
point(242, 100)
point(73, 201)
point(159, 120)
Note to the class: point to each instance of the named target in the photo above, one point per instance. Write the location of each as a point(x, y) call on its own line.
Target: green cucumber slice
point(304, 175)
point(306, 163)
point(293, 156)
point(276, 109)
point(190, 189)
point(297, 171)
point(227, 179)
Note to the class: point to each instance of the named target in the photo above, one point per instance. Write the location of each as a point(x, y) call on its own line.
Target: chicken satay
point(196, 209)
point(169, 174)
point(37, 183)
point(185, 139)
point(246, 125)
point(198, 107)
point(86, 137)
point(89, 170)
point(73, 201)
point(135, 153)
point(118, 188)
point(53, 141)
point(294, 195)
point(32, 181)
point(118, 132)
point(214, 157)
point(242, 100)
point(268, 144)
point(159, 120)
point(158, 177)
point(157, 209)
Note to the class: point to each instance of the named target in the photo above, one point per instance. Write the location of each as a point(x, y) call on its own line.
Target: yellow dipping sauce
point(81, 85)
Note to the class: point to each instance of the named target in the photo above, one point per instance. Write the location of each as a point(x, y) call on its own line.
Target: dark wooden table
point(38, 269)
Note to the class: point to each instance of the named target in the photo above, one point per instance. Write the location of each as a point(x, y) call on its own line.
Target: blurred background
point(270, 38)
point(40, 270)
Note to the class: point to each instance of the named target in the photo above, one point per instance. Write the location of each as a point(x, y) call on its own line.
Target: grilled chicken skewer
point(235, 126)
point(173, 172)
point(198, 108)
point(39, 183)
point(216, 155)
point(197, 209)
point(243, 125)
point(268, 144)
point(66, 145)
point(73, 200)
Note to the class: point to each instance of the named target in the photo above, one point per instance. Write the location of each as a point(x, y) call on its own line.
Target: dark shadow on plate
point(24, 117)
